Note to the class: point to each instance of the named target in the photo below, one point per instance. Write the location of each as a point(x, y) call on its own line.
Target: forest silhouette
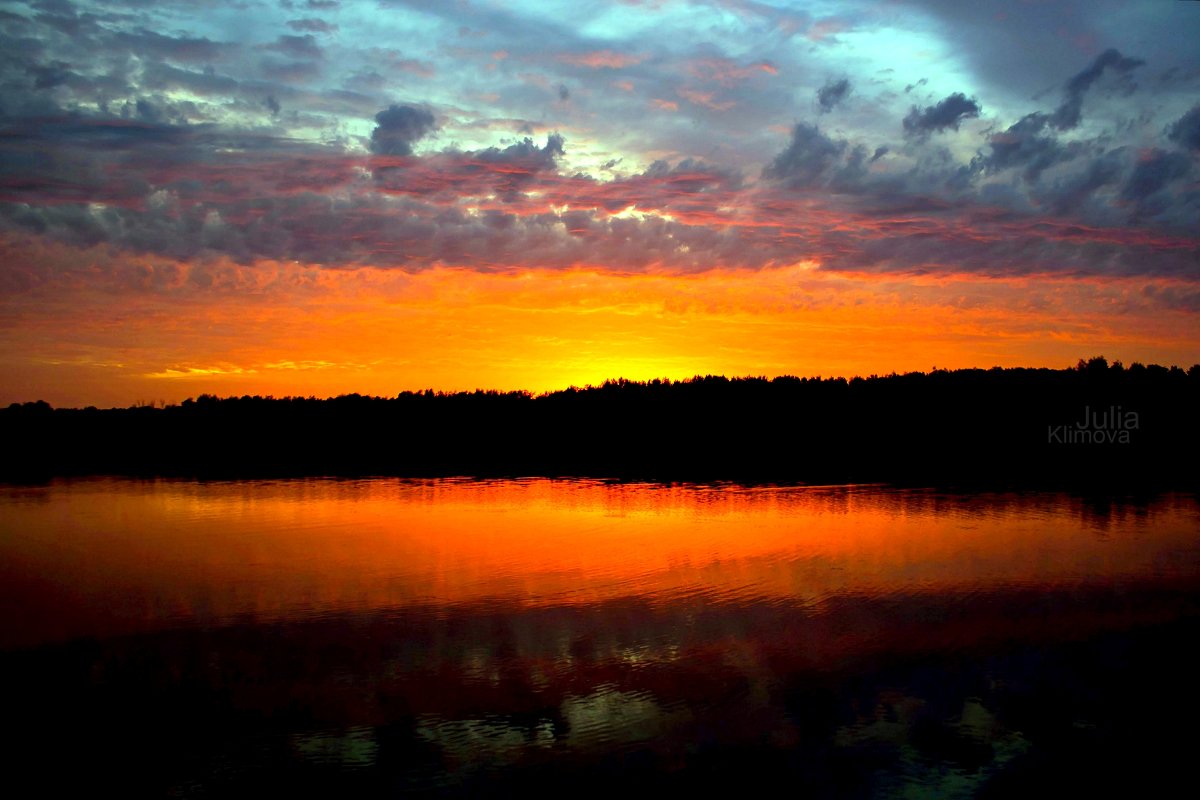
point(1096, 423)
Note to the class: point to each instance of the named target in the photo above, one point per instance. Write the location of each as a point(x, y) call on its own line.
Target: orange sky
point(128, 330)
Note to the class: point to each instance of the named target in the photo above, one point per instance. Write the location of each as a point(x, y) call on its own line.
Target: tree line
point(1096, 423)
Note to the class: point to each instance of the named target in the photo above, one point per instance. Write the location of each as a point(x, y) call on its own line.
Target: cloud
point(1180, 298)
point(184, 49)
point(602, 59)
point(1071, 193)
point(939, 216)
point(825, 30)
point(1023, 145)
point(178, 145)
point(157, 75)
point(50, 75)
point(298, 47)
point(296, 72)
point(1186, 130)
point(312, 25)
point(832, 93)
point(502, 172)
point(948, 113)
point(706, 99)
point(525, 153)
point(1068, 114)
point(398, 128)
point(505, 207)
point(1153, 172)
point(808, 157)
point(727, 72)
point(93, 133)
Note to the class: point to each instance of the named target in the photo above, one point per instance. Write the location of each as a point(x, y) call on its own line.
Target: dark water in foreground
point(385, 638)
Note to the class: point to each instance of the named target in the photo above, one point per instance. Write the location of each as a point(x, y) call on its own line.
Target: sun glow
point(282, 328)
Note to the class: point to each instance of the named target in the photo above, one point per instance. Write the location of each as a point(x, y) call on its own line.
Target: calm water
point(401, 638)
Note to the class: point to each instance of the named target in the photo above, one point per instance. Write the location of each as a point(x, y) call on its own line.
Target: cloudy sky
point(328, 196)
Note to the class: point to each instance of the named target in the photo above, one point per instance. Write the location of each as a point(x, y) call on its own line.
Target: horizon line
point(1095, 363)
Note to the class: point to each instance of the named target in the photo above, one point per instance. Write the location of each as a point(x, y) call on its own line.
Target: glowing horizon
point(537, 331)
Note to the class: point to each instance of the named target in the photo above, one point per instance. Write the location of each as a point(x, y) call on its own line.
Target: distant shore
point(1093, 425)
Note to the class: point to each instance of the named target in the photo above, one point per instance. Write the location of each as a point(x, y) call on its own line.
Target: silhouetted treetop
point(1008, 425)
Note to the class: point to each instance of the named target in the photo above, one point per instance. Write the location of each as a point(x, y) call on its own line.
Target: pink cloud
point(826, 29)
point(602, 59)
point(704, 99)
point(727, 72)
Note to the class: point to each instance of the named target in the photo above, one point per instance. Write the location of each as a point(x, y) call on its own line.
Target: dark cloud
point(84, 132)
point(63, 7)
point(506, 171)
point(1068, 114)
point(1071, 193)
point(369, 80)
point(272, 104)
point(1186, 130)
point(832, 93)
point(564, 94)
point(312, 25)
point(66, 20)
point(1153, 172)
point(297, 47)
point(248, 210)
point(398, 128)
point(948, 113)
point(912, 86)
point(849, 177)
point(173, 48)
point(290, 71)
point(689, 176)
point(49, 75)
point(123, 160)
point(1025, 146)
point(808, 157)
point(148, 111)
point(1179, 298)
point(1179, 76)
point(526, 152)
point(1114, 216)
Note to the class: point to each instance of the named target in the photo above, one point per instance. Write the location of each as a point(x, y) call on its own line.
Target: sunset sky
point(323, 197)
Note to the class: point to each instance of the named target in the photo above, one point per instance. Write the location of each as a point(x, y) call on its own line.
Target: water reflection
point(460, 637)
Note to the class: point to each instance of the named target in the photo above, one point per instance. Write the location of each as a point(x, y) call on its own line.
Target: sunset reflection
point(459, 637)
point(158, 553)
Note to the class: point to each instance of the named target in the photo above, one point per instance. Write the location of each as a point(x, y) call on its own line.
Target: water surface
point(383, 637)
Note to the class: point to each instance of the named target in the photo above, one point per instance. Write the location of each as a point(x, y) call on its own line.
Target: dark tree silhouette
point(1094, 423)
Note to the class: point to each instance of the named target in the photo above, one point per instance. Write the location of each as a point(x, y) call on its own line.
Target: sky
point(318, 197)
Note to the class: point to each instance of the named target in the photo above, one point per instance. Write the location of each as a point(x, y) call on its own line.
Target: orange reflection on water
point(113, 555)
